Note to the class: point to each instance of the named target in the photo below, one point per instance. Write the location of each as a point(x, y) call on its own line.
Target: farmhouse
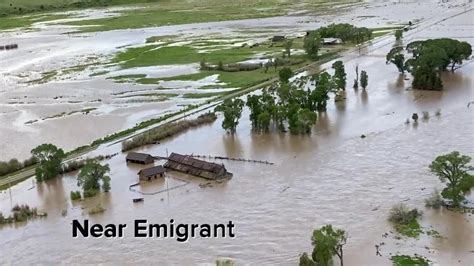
point(189, 165)
point(140, 158)
point(151, 173)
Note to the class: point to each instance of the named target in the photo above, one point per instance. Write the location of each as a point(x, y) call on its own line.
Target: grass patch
point(154, 55)
point(411, 229)
point(131, 76)
point(405, 260)
point(239, 79)
point(12, 22)
point(405, 220)
point(46, 77)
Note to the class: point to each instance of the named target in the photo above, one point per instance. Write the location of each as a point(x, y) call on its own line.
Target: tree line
point(92, 175)
point(13, 165)
point(344, 31)
point(428, 59)
point(288, 106)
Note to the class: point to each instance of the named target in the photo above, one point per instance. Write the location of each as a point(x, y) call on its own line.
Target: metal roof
point(152, 171)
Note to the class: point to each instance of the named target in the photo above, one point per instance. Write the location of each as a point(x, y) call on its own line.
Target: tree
point(312, 43)
point(359, 35)
point(327, 243)
point(453, 169)
point(432, 56)
point(49, 158)
point(345, 32)
point(302, 120)
point(319, 96)
point(364, 79)
point(253, 103)
point(396, 57)
point(285, 74)
point(305, 260)
point(339, 75)
point(220, 66)
point(232, 110)
point(90, 176)
point(398, 34)
point(288, 46)
point(356, 80)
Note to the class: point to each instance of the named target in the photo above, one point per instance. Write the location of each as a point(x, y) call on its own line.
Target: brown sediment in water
point(333, 176)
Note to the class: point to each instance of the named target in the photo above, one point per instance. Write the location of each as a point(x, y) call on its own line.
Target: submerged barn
point(151, 173)
point(189, 165)
point(140, 158)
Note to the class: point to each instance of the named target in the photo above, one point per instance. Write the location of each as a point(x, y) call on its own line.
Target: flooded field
point(55, 72)
point(333, 176)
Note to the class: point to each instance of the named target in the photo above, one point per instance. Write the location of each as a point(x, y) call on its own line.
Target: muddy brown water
point(47, 48)
point(332, 176)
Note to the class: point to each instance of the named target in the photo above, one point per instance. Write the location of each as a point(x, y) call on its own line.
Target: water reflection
point(232, 145)
point(364, 96)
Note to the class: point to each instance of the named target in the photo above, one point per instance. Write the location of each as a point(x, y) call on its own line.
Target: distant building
point(189, 165)
point(140, 158)
point(331, 41)
point(278, 38)
point(151, 173)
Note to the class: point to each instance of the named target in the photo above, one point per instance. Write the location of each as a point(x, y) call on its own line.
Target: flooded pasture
point(333, 176)
point(47, 51)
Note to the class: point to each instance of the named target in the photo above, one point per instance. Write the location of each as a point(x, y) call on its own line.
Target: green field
point(21, 7)
point(153, 13)
point(12, 22)
point(153, 55)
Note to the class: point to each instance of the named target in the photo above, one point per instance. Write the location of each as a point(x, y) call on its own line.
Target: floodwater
point(332, 176)
point(49, 48)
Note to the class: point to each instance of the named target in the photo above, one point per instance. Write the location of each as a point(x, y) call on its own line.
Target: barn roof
point(135, 156)
point(196, 163)
point(152, 171)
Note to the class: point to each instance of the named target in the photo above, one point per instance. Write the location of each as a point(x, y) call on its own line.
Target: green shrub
point(75, 195)
point(405, 260)
point(434, 201)
point(405, 220)
point(305, 260)
point(401, 214)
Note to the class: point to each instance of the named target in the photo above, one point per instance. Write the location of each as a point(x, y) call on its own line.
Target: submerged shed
point(189, 165)
point(140, 158)
point(151, 173)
